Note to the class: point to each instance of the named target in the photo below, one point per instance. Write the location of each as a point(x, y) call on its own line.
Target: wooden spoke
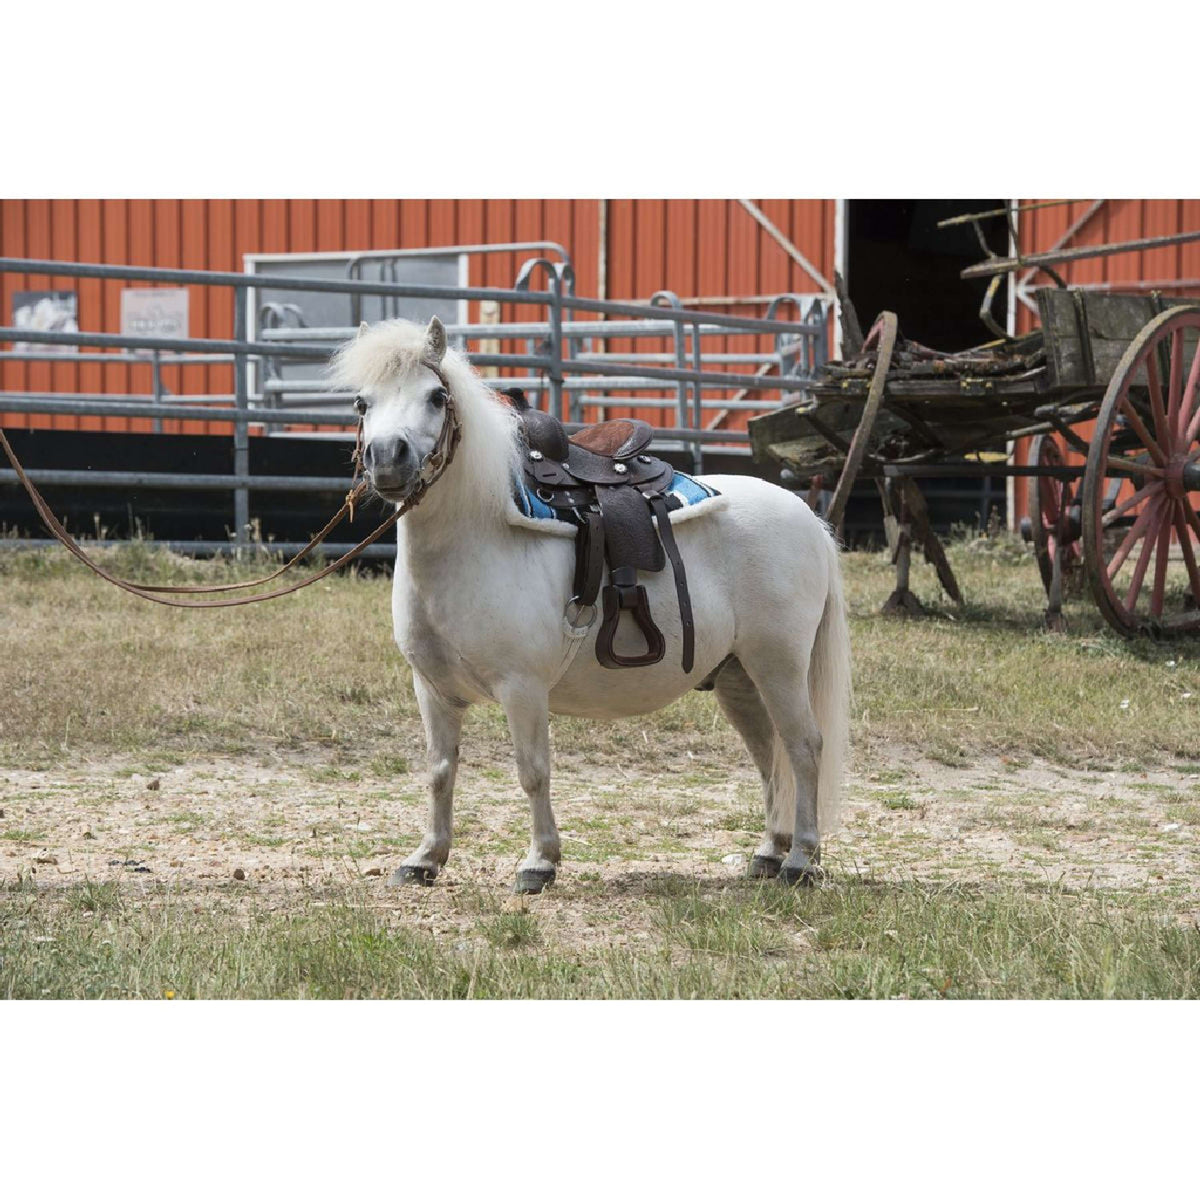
point(1050, 502)
point(1139, 571)
point(1193, 427)
point(1175, 389)
point(1192, 519)
point(1189, 410)
point(1135, 423)
point(1162, 554)
point(1130, 466)
point(1189, 554)
point(1131, 538)
point(1126, 505)
point(1156, 400)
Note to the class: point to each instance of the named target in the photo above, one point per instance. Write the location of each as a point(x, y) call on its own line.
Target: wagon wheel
point(1050, 512)
point(1141, 480)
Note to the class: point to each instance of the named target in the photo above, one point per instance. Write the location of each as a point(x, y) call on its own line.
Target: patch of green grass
point(327, 773)
point(23, 835)
point(700, 923)
point(188, 820)
point(388, 766)
point(746, 817)
point(902, 802)
point(93, 897)
point(512, 931)
point(886, 775)
point(847, 938)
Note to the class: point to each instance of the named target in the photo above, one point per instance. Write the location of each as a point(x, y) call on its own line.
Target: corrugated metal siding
point(1116, 221)
point(692, 247)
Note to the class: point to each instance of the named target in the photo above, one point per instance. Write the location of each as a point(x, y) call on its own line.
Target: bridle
point(432, 468)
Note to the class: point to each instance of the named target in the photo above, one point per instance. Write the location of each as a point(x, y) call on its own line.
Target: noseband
point(432, 468)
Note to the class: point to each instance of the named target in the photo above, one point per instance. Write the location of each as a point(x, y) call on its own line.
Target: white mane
point(486, 462)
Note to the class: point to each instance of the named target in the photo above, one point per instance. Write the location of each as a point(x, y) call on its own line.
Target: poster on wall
point(154, 312)
point(47, 312)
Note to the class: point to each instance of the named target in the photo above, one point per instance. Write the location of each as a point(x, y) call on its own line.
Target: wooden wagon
point(1112, 377)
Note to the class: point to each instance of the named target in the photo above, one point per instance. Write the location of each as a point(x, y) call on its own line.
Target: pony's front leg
point(443, 725)
point(527, 706)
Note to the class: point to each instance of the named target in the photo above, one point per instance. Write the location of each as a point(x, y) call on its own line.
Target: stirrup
point(621, 595)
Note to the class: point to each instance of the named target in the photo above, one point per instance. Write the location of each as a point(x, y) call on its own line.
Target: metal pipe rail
point(510, 331)
point(420, 291)
point(104, 360)
point(326, 549)
point(149, 406)
point(176, 411)
point(171, 481)
point(769, 383)
point(281, 390)
point(267, 416)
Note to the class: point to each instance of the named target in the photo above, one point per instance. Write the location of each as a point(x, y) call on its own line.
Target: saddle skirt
point(684, 489)
point(618, 499)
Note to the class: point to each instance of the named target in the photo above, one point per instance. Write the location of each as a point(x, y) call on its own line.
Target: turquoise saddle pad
point(687, 489)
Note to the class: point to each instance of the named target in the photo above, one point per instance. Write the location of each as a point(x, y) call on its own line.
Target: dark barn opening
point(898, 259)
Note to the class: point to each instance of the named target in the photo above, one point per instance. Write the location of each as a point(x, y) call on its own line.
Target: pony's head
point(401, 393)
point(408, 387)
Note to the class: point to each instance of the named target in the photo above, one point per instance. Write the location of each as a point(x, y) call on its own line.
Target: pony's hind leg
point(745, 711)
point(782, 681)
point(527, 707)
point(443, 726)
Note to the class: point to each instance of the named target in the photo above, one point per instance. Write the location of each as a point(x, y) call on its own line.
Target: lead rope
point(439, 460)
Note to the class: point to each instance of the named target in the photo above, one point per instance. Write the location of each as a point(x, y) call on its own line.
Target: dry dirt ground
point(288, 827)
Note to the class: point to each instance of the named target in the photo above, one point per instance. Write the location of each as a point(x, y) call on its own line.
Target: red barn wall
point(693, 247)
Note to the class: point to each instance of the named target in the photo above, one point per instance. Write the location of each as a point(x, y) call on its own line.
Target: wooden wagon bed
point(939, 406)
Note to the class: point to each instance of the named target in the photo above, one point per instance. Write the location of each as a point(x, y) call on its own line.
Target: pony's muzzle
point(391, 465)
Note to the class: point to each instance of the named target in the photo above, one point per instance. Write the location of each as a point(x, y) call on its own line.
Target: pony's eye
point(360, 406)
point(438, 397)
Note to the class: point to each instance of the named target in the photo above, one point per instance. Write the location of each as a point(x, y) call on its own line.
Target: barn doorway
point(897, 258)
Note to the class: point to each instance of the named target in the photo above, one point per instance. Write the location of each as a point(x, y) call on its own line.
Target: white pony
point(480, 593)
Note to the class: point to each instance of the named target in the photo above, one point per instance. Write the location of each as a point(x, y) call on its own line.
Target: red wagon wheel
point(1140, 526)
point(1050, 511)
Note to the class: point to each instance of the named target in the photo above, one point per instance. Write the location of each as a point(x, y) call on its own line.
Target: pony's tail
point(829, 694)
point(829, 689)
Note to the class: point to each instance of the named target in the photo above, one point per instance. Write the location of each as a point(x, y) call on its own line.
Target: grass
point(317, 673)
point(101, 689)
point(852, 939)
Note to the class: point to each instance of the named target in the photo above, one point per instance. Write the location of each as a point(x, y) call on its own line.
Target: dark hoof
point(408, 876)
point(800, 876)
point(762, 867)
point(530, 880)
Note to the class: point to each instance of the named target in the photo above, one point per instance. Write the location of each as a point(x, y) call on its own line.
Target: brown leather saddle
point(603, 482)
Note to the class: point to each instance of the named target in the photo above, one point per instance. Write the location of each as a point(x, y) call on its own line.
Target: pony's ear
point(435, 340)
point(362, 328)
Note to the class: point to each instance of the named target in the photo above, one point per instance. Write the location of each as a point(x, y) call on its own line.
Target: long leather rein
point(431, 470)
